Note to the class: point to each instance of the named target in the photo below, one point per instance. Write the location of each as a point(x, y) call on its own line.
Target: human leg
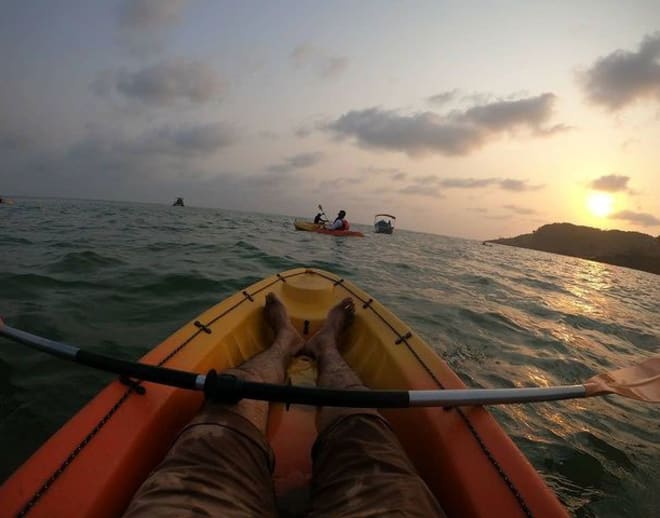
point(221, 463)
point(360, 468)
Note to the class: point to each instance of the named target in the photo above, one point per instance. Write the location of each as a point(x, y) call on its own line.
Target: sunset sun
point(600, 204)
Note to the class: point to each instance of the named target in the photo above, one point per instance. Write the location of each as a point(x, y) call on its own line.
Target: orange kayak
point(93, 465)
point(309, 226)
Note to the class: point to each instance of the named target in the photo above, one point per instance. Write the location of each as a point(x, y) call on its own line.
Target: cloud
point(200, 139)
point(622, 77)
point(523, 211)
point(422, 190)
point(443, 97)
point(456, 133)
point(415, 135)
point(641, 218)
point(434, 184)
point(478, 98)
point(303, 131)
point(611, 183)
point(165, 83)
point(111, 164)
point(174, 142)
point(150, 14)
point(424, 186)
point(504, 115)
point(325, 66)
point(392, 173)
point(467, 183)
point(301, 161)
point(506, 184)
point(509, 184)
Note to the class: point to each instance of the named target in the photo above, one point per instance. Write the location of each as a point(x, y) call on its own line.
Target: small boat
point(6, 201)
point(178, 203)
point(384, 223)
point(94, 464)
point(310, 226)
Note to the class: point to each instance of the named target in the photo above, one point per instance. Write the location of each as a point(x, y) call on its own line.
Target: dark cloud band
point(168, 82)
point(622, 77)
point(300, 161)
point(457, 133)
point(610, 183)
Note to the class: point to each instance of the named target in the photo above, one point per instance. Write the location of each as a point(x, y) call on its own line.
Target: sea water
point(117, 278)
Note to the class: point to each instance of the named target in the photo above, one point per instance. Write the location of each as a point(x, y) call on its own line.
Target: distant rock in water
point(631, 249)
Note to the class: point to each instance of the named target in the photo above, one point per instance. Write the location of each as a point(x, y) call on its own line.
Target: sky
point(469, 119)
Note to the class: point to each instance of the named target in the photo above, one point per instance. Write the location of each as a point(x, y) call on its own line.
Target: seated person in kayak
point(221, 463)
point(319, 219)
point(340, 223)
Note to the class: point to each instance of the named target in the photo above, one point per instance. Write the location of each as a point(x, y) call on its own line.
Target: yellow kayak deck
point(465, 457)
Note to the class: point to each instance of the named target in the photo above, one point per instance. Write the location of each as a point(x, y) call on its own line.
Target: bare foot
point(278, 319)
point(339, 318)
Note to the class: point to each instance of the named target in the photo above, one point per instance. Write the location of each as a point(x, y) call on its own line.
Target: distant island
point(630, 249)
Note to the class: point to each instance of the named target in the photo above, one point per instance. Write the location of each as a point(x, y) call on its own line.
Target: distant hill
point(631, 249)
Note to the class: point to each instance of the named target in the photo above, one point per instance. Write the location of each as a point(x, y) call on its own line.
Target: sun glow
point(600, 204)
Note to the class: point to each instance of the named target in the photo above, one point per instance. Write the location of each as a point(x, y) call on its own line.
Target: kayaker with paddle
point(340, 223)
point(319, 219)
point(221, 463)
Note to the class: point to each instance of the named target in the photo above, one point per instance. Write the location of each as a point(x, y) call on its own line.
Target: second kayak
point(309, 226)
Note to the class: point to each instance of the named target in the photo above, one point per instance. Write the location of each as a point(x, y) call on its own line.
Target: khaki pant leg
point(220, 465)
point(360, 469)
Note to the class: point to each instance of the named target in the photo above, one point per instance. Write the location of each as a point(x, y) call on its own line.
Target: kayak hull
point(309, 226)
point(306, 226)
point(465, 457)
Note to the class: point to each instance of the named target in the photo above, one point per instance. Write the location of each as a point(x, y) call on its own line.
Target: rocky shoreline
point(630, 249)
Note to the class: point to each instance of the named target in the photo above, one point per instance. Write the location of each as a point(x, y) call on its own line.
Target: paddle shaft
point(229, 389)
point(323, 212)
point(221, 388)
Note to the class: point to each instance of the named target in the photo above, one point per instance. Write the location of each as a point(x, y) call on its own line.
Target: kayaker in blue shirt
point(221, 463)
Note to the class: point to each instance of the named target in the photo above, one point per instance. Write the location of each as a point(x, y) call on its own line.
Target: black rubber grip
point(172, 377)
point(226, 388)
point(230, 389)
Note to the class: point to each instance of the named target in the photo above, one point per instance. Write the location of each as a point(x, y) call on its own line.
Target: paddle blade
point(641, 382)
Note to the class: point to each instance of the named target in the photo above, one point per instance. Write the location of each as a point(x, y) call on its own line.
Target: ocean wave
point(15, 240)
point(83, 262)
point(24, 283)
